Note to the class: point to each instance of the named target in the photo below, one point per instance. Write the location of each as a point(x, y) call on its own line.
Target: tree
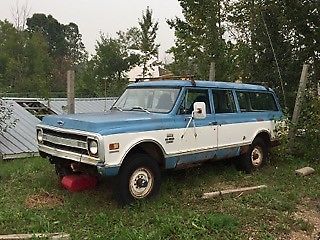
point(76, 52)
point(20, 13)
point(130, 38)
point(11, 45)
point(199, 39)
point(252, 41)
point(25, 64)
point(105, 73)
point(275, 38)
point(65, 45)
point(147, 46)
point(52, 30)
point(38, 76)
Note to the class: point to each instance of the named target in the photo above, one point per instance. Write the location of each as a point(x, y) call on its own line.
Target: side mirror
point(199, 110)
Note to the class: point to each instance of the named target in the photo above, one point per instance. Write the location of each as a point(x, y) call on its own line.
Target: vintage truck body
point(168, 124)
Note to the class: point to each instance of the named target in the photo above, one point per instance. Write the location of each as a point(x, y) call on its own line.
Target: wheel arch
point(265, 135)
point(149, 147)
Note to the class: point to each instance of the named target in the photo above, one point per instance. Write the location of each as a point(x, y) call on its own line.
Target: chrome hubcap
point(141, 183)
point(257, 156)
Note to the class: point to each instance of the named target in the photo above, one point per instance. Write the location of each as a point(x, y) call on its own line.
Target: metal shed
point(20, 141)
point(82, 105)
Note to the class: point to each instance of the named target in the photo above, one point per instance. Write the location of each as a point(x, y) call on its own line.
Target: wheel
point(255, 157)
point(139, 178)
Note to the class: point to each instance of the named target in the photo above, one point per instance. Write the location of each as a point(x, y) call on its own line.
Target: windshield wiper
point(139, 108)
point(115, 107)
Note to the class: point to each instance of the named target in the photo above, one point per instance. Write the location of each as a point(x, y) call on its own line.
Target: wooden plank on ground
point(237, 190)
point(60, 236)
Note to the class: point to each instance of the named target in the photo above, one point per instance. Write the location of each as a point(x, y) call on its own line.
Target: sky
point(106, 16)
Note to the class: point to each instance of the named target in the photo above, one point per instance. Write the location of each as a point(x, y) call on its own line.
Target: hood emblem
point(60, 123)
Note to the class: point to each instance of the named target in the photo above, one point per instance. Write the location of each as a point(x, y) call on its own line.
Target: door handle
point(213, 123)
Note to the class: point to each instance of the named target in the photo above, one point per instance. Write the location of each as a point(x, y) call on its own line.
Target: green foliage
point(34, 61)
point(309, 130)
point(76, 50)
point(52, 30)
point(199, 40)
point(105, 73)
point(235, 35)
point(25, 65)
point(65, 45)
point(147, 45)
point(131, 38)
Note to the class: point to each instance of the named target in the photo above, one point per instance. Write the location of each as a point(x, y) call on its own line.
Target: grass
point(178, 213)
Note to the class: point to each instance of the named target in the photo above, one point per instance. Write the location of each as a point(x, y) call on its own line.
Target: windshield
point(159, 100)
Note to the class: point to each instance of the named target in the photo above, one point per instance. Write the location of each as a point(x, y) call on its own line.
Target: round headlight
point(93, 147)
point(40, 135)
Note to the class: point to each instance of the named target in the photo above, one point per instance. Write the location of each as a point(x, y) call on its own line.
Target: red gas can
point(77, 183)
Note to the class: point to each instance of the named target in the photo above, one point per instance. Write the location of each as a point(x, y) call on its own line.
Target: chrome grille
point(65, 141)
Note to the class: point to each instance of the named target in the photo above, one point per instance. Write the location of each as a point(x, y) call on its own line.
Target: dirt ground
point(309, 211)
point(43, 199)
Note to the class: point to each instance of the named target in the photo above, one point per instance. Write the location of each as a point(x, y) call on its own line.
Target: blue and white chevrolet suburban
point(163, 125)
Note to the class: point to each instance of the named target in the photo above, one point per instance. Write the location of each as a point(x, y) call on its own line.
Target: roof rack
point(168, 77)
point(265, 84)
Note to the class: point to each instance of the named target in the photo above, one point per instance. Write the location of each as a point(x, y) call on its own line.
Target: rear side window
point(223, 101)
point(256, 101)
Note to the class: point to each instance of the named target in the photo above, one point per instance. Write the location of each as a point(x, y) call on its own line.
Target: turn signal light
point(114, 146)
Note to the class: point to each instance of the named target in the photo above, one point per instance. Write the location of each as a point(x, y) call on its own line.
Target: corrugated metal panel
point(21, 139)
point(82, 105)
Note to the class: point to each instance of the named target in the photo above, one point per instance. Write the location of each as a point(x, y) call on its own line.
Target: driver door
point(201, 135)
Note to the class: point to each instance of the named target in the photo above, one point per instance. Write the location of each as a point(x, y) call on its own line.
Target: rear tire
point(255, 158)
point(139, 178)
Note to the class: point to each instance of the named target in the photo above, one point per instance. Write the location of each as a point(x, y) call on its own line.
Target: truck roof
point(211, 84)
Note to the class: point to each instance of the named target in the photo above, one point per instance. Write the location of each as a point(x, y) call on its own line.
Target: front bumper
point(69, 155)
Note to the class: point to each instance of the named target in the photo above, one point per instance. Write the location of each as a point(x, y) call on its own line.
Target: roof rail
point(168, 77)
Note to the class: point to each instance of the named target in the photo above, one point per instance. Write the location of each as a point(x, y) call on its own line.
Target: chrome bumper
point(69, 155)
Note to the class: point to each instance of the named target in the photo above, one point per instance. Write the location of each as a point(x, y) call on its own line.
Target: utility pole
point(212, 72)
point(299, 101)
point(70, 91)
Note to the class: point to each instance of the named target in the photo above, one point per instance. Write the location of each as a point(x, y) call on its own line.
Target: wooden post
point(70, 91)
point(212, 73)
point(299, 101)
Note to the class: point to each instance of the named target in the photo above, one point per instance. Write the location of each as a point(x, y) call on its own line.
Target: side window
point(244, 101)
point(256, 101)
point(192, 96)
point(263, 102)
point(223, 101)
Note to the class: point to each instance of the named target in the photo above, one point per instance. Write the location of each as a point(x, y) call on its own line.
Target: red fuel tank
point(77, 183)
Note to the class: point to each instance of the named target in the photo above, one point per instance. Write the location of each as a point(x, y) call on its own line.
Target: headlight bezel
point(40, 135)
point(93, 150)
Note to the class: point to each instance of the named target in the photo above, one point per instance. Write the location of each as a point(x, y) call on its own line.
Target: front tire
point(255, 158)
point(139, 178)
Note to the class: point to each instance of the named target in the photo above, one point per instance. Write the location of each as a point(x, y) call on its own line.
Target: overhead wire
point(276, 60)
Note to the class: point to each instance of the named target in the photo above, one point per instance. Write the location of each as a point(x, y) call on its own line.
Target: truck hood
point(110, 122)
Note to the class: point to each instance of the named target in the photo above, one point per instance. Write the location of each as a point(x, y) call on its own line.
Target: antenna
point(276, 60)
